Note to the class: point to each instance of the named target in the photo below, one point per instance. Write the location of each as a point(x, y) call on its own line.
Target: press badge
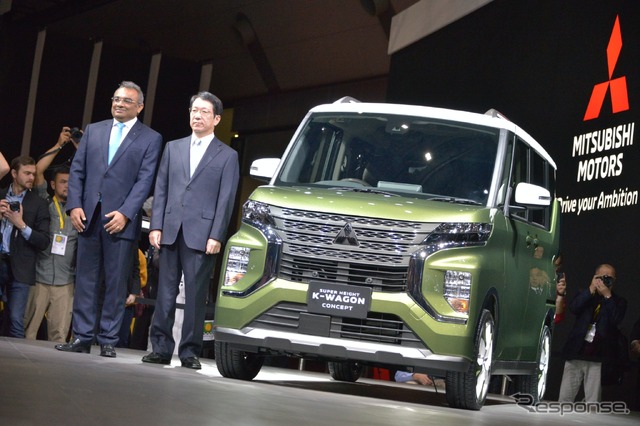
point(591, 333)
point(59, 245)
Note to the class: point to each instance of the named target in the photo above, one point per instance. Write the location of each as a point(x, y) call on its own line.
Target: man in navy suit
point(111, 176)
point(192, 203)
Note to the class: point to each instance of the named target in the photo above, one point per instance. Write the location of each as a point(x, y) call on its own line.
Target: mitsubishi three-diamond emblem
point(346, 236)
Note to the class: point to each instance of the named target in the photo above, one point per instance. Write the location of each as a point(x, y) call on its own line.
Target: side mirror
point(532, 196)
point(264, 168)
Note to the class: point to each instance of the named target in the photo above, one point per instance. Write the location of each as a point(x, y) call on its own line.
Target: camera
point(559, 276)
point(76, 134)
point(607, 280)
point(14, 206)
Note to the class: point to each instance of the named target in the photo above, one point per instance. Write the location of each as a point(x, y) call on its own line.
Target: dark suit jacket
point(202, 204)
point(35, 213)
point(122, 185)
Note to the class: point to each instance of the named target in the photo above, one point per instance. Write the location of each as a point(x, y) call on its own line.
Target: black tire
point(468, 390)
point(237, 364)
point(345, 371)
point(536, 384)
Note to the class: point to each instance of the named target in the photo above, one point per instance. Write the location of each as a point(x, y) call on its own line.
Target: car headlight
point(237, 262)
point(457, 290)
point(257, 214)
point(459, 235)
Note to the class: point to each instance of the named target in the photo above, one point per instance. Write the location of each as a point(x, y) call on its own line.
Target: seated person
point(419, 378)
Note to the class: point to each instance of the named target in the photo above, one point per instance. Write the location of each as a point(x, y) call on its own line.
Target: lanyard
point(55, 201)
point(596, 312)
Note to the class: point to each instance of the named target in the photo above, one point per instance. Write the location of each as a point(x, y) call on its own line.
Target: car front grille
point(349, 250)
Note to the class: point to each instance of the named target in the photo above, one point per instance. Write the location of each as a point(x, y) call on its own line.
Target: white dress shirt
point(197, 150)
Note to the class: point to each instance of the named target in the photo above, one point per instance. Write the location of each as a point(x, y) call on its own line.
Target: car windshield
point(392, 154)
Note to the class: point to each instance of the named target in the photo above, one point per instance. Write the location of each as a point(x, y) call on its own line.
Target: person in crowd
point(24, 231)
point(55, 266)
point(193, 201)
point(144, 312)
point(419, 378)
point(111, 176)
point(634, 337)
point(598, 312)
point(4, 166)
point(137, 281)
point(634, 351)
point(561, 291)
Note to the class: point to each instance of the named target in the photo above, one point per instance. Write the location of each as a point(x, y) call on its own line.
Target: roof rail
point(347, 100)
point(497, 114)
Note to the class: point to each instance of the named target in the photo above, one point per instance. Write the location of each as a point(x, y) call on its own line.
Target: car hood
point(362, 204)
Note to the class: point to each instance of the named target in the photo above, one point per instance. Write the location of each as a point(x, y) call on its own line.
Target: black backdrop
point(537, 62)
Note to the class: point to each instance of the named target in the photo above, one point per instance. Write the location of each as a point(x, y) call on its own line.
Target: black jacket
point(610, 315)
point(23, 253)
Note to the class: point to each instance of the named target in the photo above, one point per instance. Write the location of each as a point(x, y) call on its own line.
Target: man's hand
point(561, 286)
point(78, 219)
point(593, 287)
point(117, 223)
point(154, 238)
point(14, 217)
point(131, 299)
point(64, 137)
point(422, 379)
point(213, 246)
point(602, 289)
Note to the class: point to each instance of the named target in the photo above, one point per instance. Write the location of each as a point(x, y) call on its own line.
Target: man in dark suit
point(193, 201)
point(24, 231)
point(111, 176)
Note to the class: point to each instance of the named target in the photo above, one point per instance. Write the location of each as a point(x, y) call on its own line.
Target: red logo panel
point(618, 86)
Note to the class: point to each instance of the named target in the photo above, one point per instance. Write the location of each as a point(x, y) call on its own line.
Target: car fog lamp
point(237, 262)
point(457, 290)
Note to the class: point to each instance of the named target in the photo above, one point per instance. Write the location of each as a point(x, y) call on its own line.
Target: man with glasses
point(111, 177)
point(192, 203)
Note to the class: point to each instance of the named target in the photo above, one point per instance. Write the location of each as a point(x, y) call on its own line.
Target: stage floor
point(42, 386)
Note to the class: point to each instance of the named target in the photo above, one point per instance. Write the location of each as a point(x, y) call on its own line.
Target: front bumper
point(252, 339)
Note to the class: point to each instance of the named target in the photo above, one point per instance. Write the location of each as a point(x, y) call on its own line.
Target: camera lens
point(607, 280)
point(76, 133)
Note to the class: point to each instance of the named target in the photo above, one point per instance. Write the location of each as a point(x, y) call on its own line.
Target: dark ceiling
point(254, 46)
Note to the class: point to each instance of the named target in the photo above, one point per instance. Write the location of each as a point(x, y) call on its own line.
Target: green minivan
point(397, 236)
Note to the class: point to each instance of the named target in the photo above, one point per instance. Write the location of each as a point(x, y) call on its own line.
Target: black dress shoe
point(191, 362)
point(156, 358)
point(75, 346)
point(108, 351)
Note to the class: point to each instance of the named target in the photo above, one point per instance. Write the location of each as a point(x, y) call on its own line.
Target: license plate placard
point(338, 300)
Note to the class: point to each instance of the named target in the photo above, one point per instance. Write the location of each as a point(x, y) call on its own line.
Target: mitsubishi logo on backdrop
point(618, 86)
point(600, 153)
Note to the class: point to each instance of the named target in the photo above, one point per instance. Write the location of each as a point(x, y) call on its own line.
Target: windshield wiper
point(366, 190)
point(456, 200)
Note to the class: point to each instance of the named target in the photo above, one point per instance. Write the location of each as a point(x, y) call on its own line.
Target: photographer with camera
point(55, 266)
point(598, 312)
point(67, 134)
point(24, 230)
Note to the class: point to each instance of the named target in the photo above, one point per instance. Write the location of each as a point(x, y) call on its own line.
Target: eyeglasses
point(117, 99)
point(203, 112)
